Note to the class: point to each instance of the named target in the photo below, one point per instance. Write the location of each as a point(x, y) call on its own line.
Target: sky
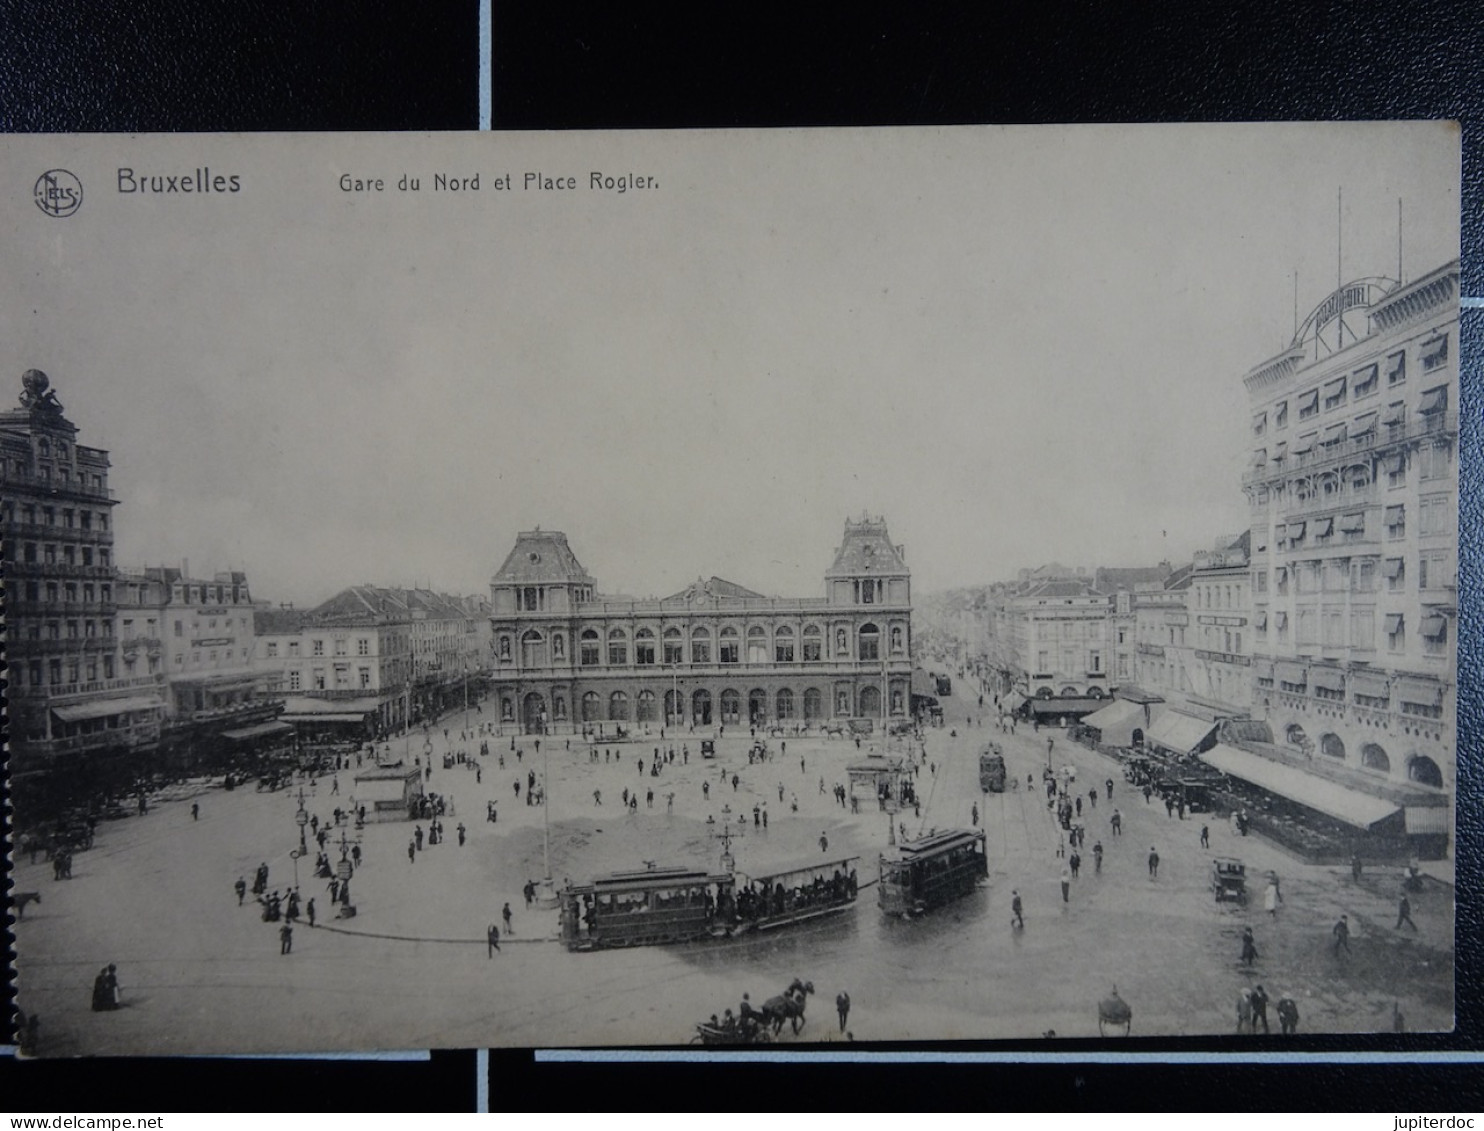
point(1017, 344)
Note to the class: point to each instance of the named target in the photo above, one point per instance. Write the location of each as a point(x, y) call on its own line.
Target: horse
point(1245, 1022)
point(22, 898)
point(787, 1006)
point(1113, 1010)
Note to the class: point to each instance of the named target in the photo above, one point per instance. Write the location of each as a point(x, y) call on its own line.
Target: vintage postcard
point(730, 588)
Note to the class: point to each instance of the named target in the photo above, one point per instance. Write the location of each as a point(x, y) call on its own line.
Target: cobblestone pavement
point(411, 969)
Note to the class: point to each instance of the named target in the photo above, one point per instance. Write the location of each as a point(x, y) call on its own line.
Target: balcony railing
point(61, 571)
point(899, 665)
point(94, 687)
point(33, 482)
point(1442, 425)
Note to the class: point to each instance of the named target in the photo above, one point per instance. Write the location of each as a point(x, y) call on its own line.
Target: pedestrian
point(1079, 806)
point(1153, 863)
point(241, 888)
point(1017, 919)
point(669, 802)
point(824, 843)
point(505, 915)
point(1109, 784)
point(492, 940)
point(1117, 823)
point(1355, 867)
point(309, 910)
point(1249, 947)
point(1270, 899)
point(1341, 932)
point(649, 799)
point(1205, 836)
point(1404, 913)
point(1066, 885)
point(765, 814)
point(1288, 1016)
point(1092, 796)
point(706, 790)
point(461, 834)
point(1075, 862)
point(1169, 806)
point(195, 811)
point(757, 817)
point(1260, 1009)
point(974, 815)
point(411, 852)
point(285, 939)
point(597, 798)
point(1097, 857)
point(842, 1007)
point(417, 835)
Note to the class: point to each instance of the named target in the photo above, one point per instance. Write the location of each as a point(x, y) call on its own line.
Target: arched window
point(700, 646)
point(618, 707)
point(813, 644)
point(871, 701)
point(1069, 692)
point(757, 645)
point(1424, 771)
point(1373, 757)
point(757, 705)
point(590, 648)
point(532, 650)
point(644, 707)
point(592, 707)
point(785, 704)
point(644, 647)
point(618, 647)
point(868, 645)
point(813, 704)
point(1294, 735)
point(700, 707)
point(783, 646)
point(729, 650)
point(674, 646)
point(731, 706)
point(1331, 746)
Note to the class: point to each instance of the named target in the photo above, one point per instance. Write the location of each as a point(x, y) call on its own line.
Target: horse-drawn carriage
point(832, 730)
point(1229, 879)
point(716, 1032)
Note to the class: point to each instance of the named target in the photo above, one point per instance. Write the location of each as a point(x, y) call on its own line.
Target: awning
point(1330, 679)
point(306, 706)
point(1280, 450)
point(1259, 423)
point(1281, 534)
point(1260, 619)
point(323, 717)
point(102, 708)
point(1395, 464)
point(1422, 692)
point(1434, 626)
point(1369, 683)
point(1394, 515)
point(1335, 433)
point(1259, 457)
point(1435, 349)
point(1280, 619)
point(1434, 400)
point(1335, 388)
point(259, 731)
point(1287, 672)
point(1011, 700)
point(1392, 568)
point(1426, 820)
point(1308, 402)
point(1262, 669)
point(1066, 706)
point(1295, 531)
point(1118, 721)
point(1323, 527)
point(1365, 378)
point(1353, 524)
point(1180, 732)
point(1305, 444)
point(1364, 425)
point(1393, 623)
point(1396, 365)
point(1395, 414)
point(1330, 798)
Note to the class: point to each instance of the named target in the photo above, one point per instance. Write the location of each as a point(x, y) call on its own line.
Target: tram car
point(933, 871)
point(652, 907)
point(945, 686)
point(780, 896)
point(992, 769)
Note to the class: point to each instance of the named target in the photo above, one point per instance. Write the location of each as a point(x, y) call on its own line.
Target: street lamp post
point(546, 897)
point(301, 818)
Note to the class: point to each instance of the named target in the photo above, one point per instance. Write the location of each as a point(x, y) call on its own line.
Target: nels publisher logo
point(57, 193)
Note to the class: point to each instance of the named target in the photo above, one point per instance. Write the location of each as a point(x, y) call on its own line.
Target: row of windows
point(71, 518)
point(1313, 629)
point(533, 646)
point(75, 630)
point(342, 679)
point(64, 475)
point(51, 675)
point(67, 591)
point(700, 707)
point(1363, 382)
point(71, 555)
point(1392, 424)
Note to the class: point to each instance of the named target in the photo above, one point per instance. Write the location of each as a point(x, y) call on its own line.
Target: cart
point(1228, 879)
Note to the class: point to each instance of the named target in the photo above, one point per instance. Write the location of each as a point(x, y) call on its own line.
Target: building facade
point(565, 656)
point(1353, 490)
point(1220, 658)
point(1058, 634)
point(70, 699)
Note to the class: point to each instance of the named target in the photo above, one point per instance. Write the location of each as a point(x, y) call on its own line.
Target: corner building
point(566, 656)
point(1354, 497)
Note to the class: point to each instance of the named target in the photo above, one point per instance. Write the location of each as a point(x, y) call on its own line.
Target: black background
point(178, 65)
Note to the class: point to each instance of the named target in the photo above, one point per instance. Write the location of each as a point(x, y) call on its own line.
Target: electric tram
point(927, 873)
point(781, 896)
point(992, 769)
point(652, 907)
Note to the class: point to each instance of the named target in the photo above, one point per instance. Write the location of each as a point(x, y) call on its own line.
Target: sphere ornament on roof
point(36, 392)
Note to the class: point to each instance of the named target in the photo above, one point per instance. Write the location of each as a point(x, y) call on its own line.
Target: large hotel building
point(1354, 494)
point(714, 654)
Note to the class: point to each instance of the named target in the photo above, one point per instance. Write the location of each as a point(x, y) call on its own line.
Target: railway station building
point(567, 657)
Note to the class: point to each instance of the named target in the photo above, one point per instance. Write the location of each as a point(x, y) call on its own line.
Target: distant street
point(201, 974)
